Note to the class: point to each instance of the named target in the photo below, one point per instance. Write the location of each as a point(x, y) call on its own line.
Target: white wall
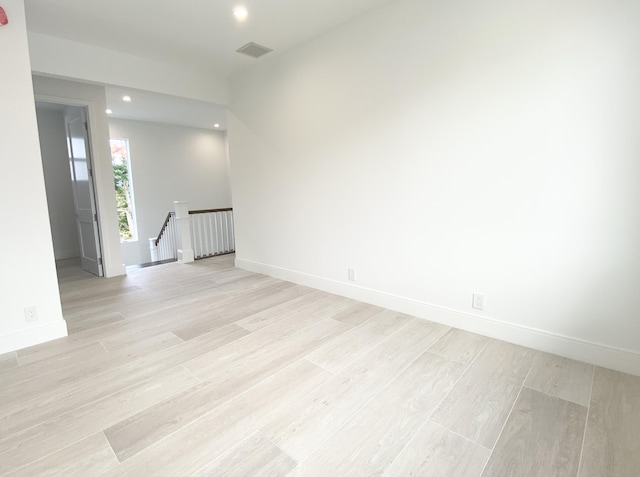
point(53, 56)
point(57, 178)
point(28, 276)
point(445, 148)
point(171, 163)
point(93, 97)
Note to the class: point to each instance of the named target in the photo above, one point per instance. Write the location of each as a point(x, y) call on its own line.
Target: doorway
point(68, 173)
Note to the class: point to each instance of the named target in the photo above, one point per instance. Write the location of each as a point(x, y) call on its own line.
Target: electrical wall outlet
point(31, 314)
point(478, 301)
point(352, 274)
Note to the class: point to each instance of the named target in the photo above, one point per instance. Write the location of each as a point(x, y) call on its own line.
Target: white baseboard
point(599, 354)
point(32, 336)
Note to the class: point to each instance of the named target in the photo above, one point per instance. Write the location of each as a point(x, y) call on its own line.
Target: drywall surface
point(442, 149)
point(57, 177)
point(28, 277)
point(170, 163)
point(53, 56)
point(92, 97)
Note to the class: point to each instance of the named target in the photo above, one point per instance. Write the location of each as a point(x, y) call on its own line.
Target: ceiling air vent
point(254, 50)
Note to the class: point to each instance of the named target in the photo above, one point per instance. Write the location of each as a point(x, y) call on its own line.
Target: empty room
point(304, 238)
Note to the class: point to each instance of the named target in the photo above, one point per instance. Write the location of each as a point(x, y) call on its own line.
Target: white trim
point(89, 107)
point(624, 360)
point(110, 269)
point(32, 336)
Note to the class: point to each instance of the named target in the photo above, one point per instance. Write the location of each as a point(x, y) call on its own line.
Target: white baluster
point(210, 249)
point(203, 234)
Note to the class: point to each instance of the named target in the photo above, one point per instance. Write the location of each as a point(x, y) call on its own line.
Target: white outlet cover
point(478, 301)
point(31, 314)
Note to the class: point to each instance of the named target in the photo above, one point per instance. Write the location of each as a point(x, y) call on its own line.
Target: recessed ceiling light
point(108, 111)
point(240, 13)
point(126, 99)
point(216, 125)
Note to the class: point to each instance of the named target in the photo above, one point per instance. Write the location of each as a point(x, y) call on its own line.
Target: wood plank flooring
point(205, 369)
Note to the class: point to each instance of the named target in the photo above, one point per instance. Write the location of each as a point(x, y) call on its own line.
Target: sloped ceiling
point(203, 33)
point(196, 33)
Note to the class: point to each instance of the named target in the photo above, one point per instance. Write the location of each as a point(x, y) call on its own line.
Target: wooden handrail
point(209, 211)
point(205, 211)
point(164, 226)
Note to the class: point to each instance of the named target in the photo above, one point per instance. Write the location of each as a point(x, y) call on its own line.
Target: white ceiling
point(163, 108)
point(199, 33)
point(202, 33)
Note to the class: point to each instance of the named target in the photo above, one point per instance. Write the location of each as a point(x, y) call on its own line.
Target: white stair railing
point(212, 232)
point(164, 246)
point(189, 235)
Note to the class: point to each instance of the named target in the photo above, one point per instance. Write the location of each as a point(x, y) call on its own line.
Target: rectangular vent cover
point(254, 50)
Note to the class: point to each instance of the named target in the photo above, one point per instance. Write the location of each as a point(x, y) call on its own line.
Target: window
point(124, 189)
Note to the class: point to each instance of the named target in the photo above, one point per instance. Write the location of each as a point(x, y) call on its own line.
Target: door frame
point(90, 110)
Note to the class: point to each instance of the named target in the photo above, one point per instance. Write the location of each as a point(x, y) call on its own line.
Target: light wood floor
point(205, 369)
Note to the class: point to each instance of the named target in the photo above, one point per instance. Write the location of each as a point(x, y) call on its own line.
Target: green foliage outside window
point(122, 182)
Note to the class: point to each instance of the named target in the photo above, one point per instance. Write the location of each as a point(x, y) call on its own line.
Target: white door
point(83, 191)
